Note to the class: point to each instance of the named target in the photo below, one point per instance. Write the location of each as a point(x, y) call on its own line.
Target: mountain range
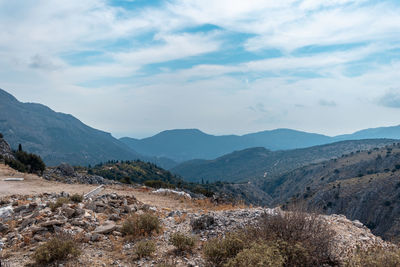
point(59, 137)
point(260, 163)
point(188, 144)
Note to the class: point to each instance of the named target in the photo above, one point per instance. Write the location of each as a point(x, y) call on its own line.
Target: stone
point(68, 212)
point(114, 217)
point(52, 222)
point(66, 169)
point(3, 228)
point(105, 228)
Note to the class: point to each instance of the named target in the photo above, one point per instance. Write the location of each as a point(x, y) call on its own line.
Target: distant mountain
point(187, 144)
point(391, 132)
point(58, 137)
point(260, 163)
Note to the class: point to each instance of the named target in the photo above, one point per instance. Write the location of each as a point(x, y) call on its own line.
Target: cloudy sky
point(229, 66)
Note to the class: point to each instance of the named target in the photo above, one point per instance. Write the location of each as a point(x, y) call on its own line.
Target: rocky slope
point(28, 221)
point(363, 186)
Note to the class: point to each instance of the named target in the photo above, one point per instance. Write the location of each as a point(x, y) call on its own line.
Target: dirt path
point(33, 184)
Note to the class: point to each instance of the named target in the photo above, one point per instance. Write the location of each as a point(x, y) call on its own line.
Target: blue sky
point(137, 67)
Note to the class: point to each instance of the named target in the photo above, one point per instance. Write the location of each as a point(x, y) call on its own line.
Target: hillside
point(260, 163)
point(59, 137)
point(363, 186)
point(187, 144)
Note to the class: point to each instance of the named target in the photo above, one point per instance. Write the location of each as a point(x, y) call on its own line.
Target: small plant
point(217, 251)
point(59, 202)
point(77, 198)
point(182, 242)
point(145, 248)
point(141, 225)
point(375, 256)
point(267, 255)
point(59, 248)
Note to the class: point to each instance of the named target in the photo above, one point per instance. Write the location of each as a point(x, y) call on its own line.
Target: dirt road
point(34, 184)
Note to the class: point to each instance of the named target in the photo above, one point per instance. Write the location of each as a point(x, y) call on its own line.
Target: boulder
point(105, 228)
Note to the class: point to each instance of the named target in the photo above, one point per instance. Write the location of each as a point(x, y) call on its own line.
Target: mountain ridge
point(188, 144)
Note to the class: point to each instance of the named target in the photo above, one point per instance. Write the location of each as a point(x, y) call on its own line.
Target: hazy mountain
point(391, 132)
point(257, 163)
point(57, 137)
point(187, 144)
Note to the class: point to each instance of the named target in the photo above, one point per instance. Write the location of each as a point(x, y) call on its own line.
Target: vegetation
point(26, 162)
point(59, 202)
point(182, 242)
point(77, 198)
point(145, 248)
point(258, 255)
point(59, 248)
point(375, 257)
point(149, 174)
point(289, 239)
point(217, 251)
point(141, 225)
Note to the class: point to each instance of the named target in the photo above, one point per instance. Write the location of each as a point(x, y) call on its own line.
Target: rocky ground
point(27, 221)
point(29, 217)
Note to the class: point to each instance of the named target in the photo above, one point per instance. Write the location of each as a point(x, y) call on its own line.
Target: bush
point(1, 135)
point(258, 255)
point(182, 242)
point(157, 184)
point(15, 164)
point(77, 198)
point(141, 225)
point(375, 257)
point(59, 202)
point(218, 251)
point(302, 240)
point(145, 248)
point(59, 248)
point(296, 231)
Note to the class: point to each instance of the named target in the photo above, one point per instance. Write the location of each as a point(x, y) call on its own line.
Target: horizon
point(136, 68)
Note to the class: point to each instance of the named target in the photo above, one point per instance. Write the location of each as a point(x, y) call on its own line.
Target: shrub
point(59, 248)
point(77, 198)
point(157, 184)
point(182, 242)
point(298, 233)
point(258, 255)
point(59, 202)
point(15, 164)
point(1, 135)
point(145, 248)
point(218, 251)
point(144, 224)
point(375, 257)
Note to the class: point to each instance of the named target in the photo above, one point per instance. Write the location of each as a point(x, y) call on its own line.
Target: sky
point(137, 67)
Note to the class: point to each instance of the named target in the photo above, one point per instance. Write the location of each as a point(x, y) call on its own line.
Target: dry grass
point(207, 205)
point(141, 225)
point(59, 248)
